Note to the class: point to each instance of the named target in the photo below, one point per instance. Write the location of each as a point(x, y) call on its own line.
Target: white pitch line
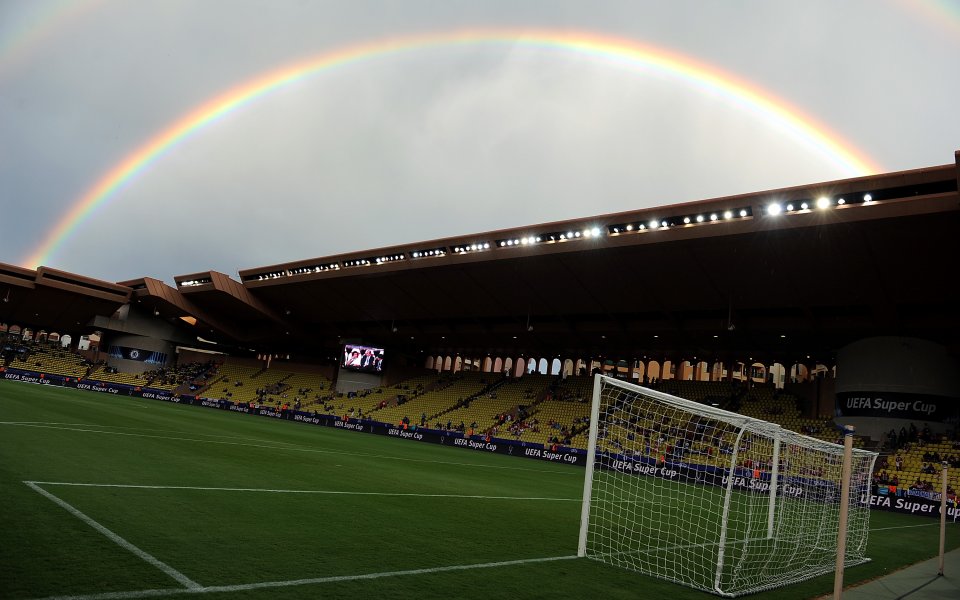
point(340, 578)
point(278, 491)
point(311, 581)
point(937, 523)
point(124, 595)
point(175, 574)
point(294, 448)
point(150, 429)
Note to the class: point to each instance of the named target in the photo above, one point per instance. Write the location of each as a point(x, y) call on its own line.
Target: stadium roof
point(727, 277)
point(55, 300)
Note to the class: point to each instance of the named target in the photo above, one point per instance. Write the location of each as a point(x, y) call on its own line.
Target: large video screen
point(367, 359)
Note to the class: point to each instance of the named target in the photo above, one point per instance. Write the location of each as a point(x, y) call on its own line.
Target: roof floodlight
point(728, 215)
point(563, 237)
point(823, 202)
point(629, 227)
point(841, 201)
point(539, 239)
point(642, 226)
point(867, 198)
point(804, 206)
point(595, 231)
point(654, 224)
point(774, 209)
point(743, 212)
point(569, 234)
point(699, 218)
point(713, 217)
point(686, 220)
point(576, 234)
point(663, 223)
point(790, 207)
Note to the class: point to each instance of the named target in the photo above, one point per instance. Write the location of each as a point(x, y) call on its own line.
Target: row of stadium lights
point(194, 282)
point(822, 203)
point(772, 209)
point(654, 224)
point(429, 252)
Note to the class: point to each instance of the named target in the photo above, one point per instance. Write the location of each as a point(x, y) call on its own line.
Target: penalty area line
point(309, 581)
point(113, 537)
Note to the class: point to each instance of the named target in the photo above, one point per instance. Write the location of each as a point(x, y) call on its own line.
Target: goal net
point(711, 499)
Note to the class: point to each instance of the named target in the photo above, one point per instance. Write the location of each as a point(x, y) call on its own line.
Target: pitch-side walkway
point(919, 582)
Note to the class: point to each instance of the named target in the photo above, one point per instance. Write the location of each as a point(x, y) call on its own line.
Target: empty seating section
point(53, 360)
point(558, 419)
point(364, 402)
point(239, 383)
point(782, 408)
point(431, 403)
point(912, 472)
point(506, 397)
point(248, 384)
point(105, 374)
point(307, 387)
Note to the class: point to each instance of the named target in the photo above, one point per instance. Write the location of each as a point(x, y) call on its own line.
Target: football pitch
point(114, 497)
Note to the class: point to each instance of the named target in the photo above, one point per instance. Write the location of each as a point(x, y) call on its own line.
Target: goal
point(711, 499)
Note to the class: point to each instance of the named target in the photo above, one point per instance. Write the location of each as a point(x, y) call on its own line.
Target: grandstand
point(438, 402)
point(52, 360)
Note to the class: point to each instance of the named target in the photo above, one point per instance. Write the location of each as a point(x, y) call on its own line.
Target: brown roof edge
point(18, 276)
point(85, 285)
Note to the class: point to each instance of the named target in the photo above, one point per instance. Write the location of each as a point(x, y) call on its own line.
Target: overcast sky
point(437, 140)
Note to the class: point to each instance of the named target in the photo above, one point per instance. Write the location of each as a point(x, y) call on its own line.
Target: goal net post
point(711, 499)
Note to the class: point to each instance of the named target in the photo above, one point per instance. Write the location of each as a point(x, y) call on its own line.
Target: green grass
point(404, 507)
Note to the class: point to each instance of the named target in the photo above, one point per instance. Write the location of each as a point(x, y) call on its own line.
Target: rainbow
point(706, 78)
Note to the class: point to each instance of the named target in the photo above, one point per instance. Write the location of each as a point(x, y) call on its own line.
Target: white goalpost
point(714, 500)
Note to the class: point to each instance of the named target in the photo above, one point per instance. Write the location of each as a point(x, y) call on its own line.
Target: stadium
point(449, 384)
